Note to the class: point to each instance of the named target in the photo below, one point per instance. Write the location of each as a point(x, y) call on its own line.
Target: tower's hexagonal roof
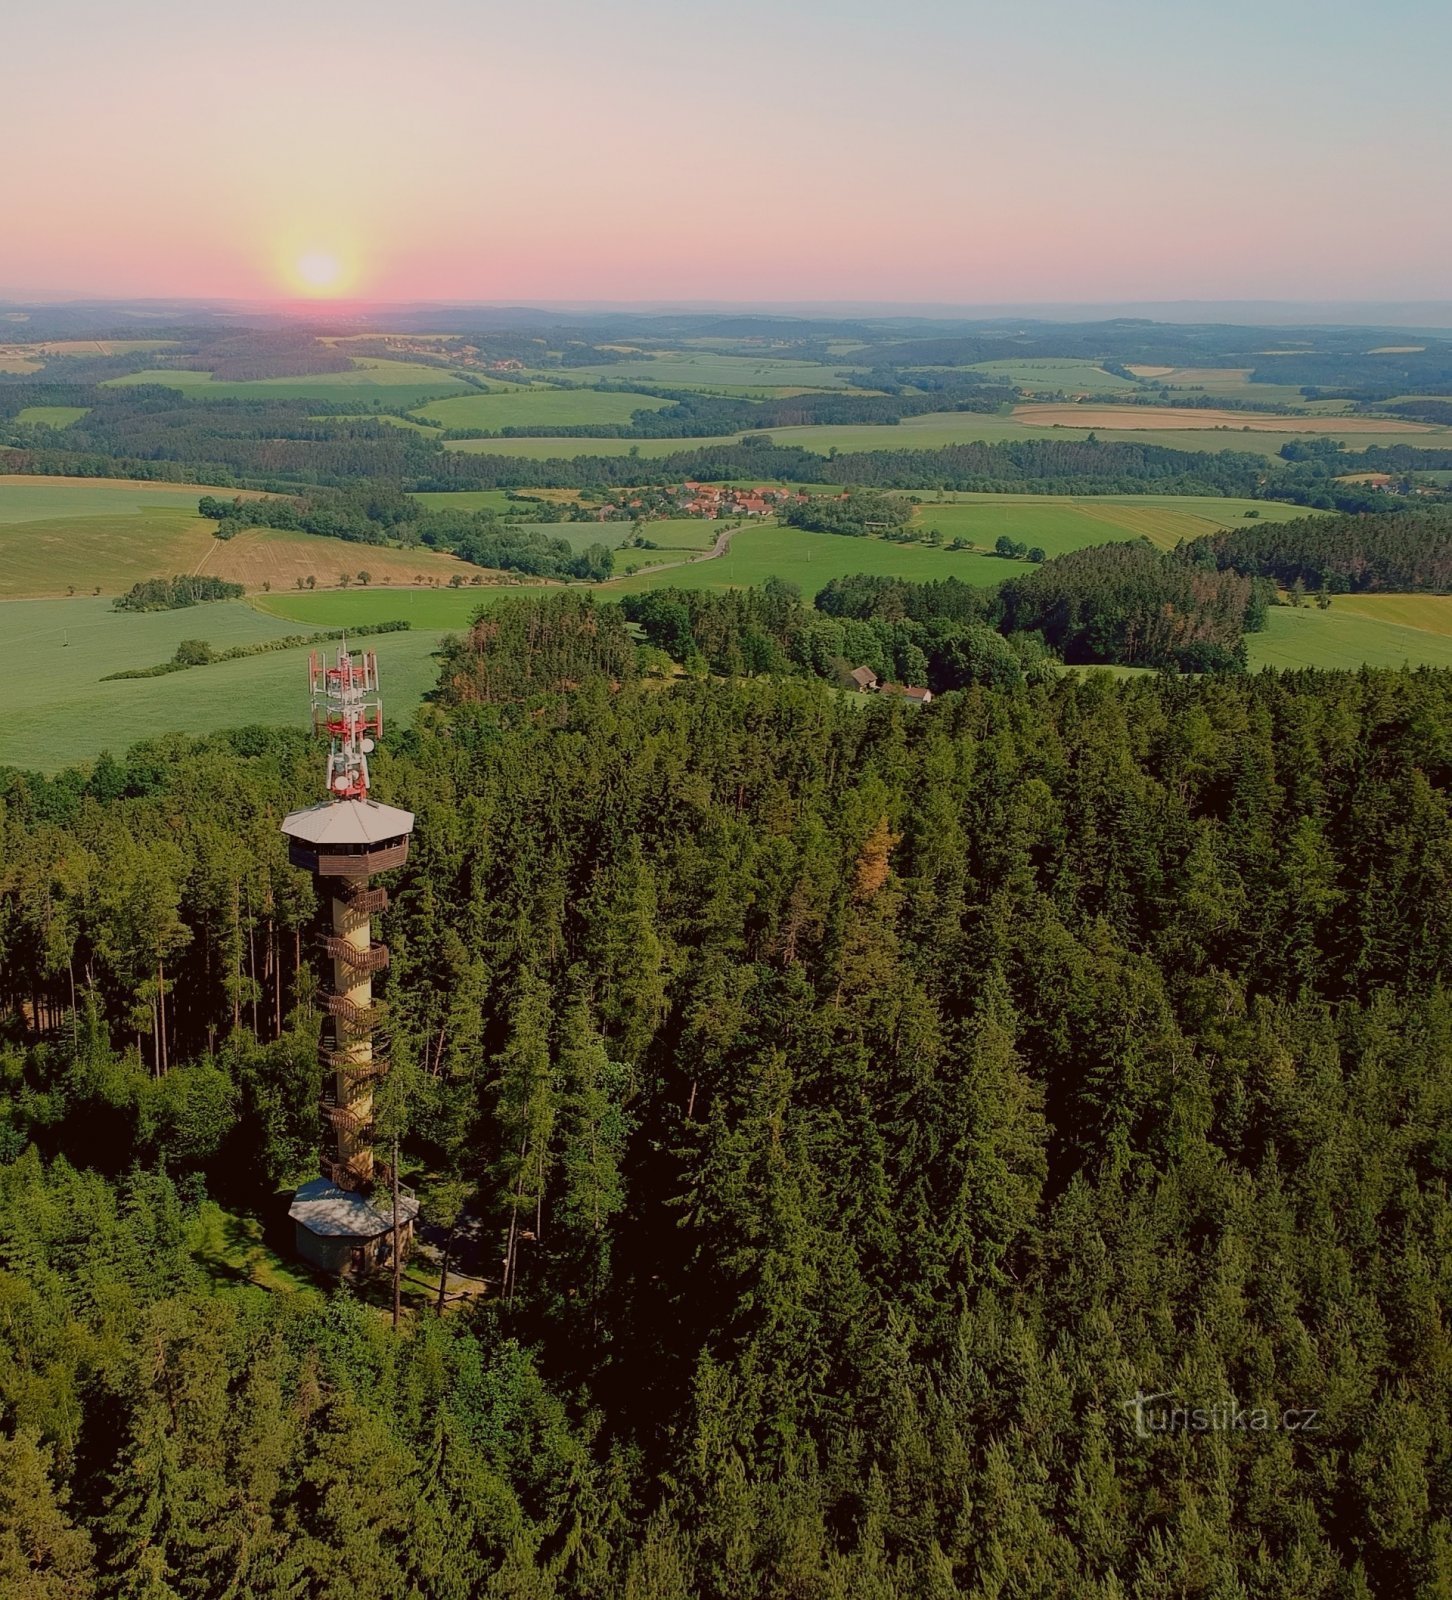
point(347, 822)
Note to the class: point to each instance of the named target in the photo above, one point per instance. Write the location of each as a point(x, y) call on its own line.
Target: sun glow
point(319, 272)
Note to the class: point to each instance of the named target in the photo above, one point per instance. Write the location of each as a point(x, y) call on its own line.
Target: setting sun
point(319, 272)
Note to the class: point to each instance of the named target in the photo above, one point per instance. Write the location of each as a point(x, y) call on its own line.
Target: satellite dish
point(368, 747)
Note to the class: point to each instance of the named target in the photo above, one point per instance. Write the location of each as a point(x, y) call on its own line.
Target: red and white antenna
point(348, 707)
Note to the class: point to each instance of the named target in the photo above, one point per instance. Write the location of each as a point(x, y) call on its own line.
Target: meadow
point(51, 416)
point(389, 383)
point(538, 406)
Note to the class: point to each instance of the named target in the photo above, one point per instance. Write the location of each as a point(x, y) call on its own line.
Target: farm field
point(705, 369)
point(1233, 382)
point(18, 358)
point(103, 347)
point(430, 611)
point(53, 652)
point(567, 449)
point(383, 416)
point(1307, 637)
point(51, 416)
point(394, 383)
point(675, 536)
point(1048, 373)
point(26, 497)
point(1156, 418)
point(540, 406)
point(810, 560)
point(936, 429)
point(1061, 522)
point(496, 500)
point(1432, 613)
point(87, 533)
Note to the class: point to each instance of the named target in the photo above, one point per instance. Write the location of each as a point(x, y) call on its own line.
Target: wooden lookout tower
point(346, 1219)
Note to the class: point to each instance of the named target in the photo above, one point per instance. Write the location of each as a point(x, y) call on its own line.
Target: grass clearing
point(51, 416)
point(235, 1252)
point(539, 406)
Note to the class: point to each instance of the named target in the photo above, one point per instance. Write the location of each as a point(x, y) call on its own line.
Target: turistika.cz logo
point(1164, 1413)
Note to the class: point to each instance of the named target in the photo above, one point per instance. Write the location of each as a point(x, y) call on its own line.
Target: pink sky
point(693, 150)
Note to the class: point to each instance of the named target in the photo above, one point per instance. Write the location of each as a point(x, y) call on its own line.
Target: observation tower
point(346, 1218)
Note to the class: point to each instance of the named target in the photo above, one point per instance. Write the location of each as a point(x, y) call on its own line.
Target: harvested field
point(1141, 419)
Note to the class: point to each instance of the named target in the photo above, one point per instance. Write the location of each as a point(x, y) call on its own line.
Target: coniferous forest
point(876, 1116)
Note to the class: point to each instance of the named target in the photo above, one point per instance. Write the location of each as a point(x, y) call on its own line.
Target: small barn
point(864, 679)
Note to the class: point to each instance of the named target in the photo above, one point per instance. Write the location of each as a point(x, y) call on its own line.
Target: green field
point(53, 652)
point(496, 500)
point(1057, 523)
point(391, 383)
point(51, 416)
point(388, 417)
point(1429, 612)
point(1054, 374)
point(567, 449)
point(60, 534)
point(539, 406)
point(28, 499)
point(1309, 637)
point(704, 369)
point(810, 560)
point(939, 428)
point(430, 611)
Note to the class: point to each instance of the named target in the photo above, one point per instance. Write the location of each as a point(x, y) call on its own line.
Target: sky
point(945, 151)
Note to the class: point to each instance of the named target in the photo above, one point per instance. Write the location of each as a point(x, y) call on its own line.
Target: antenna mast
point(348, 708)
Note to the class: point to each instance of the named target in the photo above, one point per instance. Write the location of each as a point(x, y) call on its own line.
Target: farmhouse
point(907, 691)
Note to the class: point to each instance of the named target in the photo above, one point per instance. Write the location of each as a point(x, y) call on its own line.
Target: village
point(688, 499)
